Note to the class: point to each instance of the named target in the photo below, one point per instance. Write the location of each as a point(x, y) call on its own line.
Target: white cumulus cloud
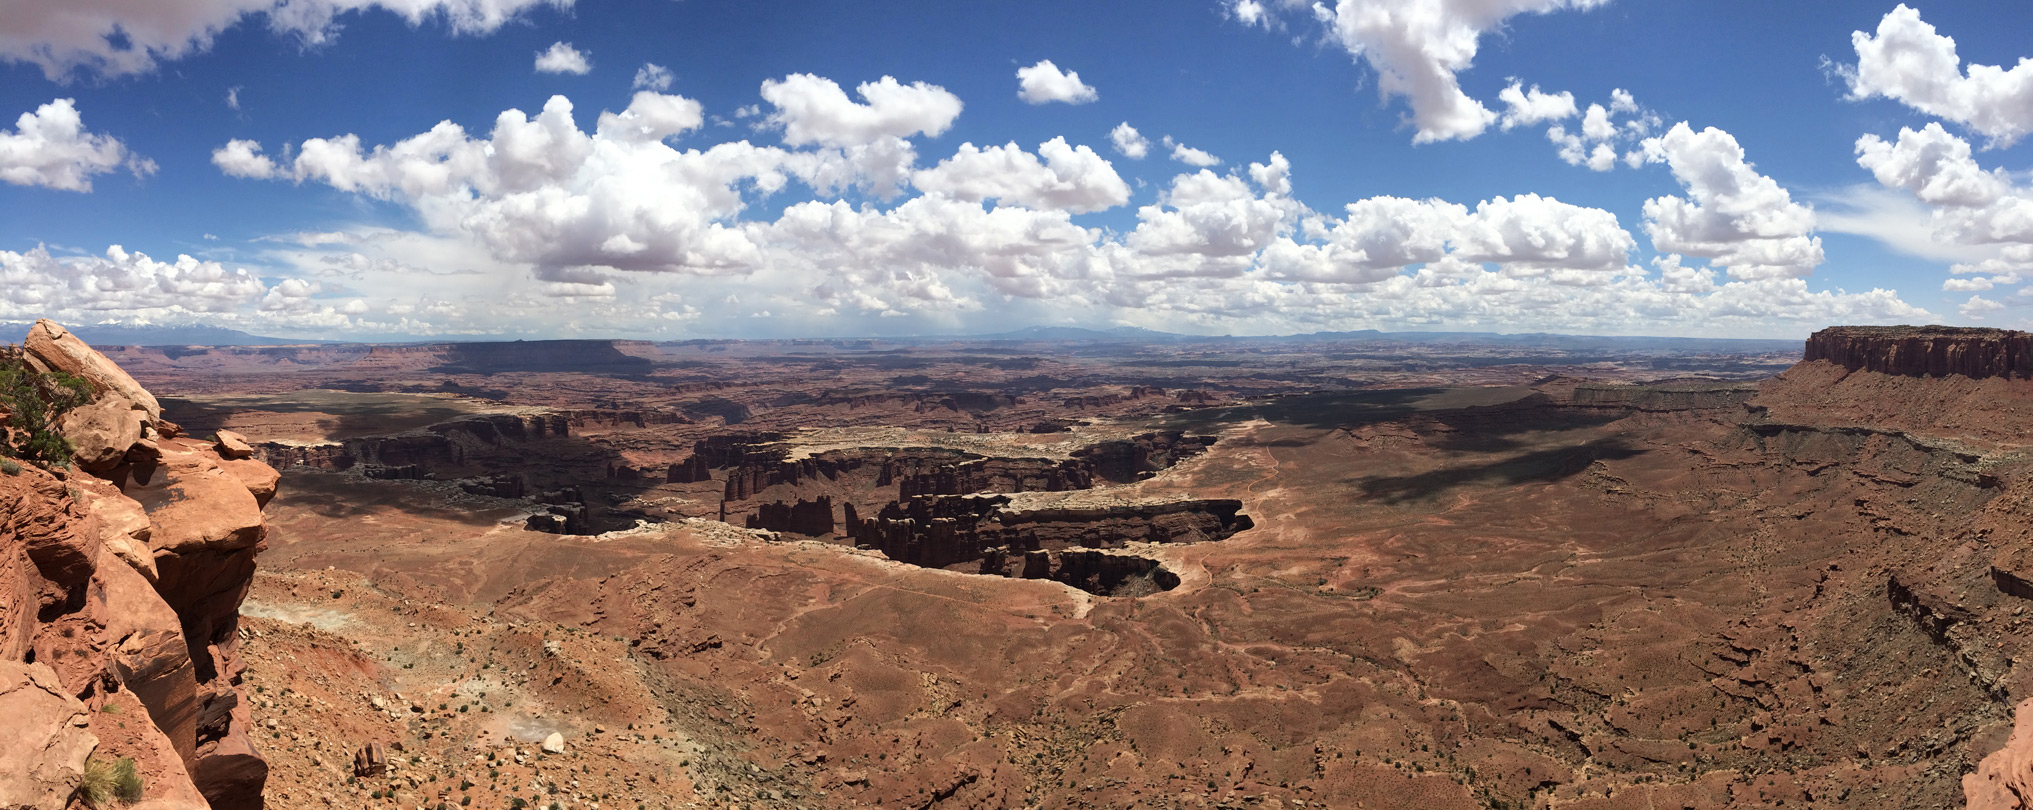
point(1529, 107)
point(243, 158)
point(1251, 13)
point(652, 76)
point(652, 116)
point(542, 224)
point(51, 148)
point(1978, 283)
point(1934, 165)
point(1732, 215)
point(814, 110)
point(1978, 306)
point(1044, 83)
point(1602, 129)
point(1193, 157)
point(1527, 236)
point(1416, 48)
point(540, 190)
point(124, 282)
point(123, 37)
point(561, 57)
point(1907, 61)
point(1981, 211)
point(1129, 142)
point(1073, 178)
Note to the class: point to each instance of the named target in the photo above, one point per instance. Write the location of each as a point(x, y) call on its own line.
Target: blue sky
point(1753, 169)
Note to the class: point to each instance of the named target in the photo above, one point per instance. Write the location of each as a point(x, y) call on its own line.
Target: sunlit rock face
point(123, 578)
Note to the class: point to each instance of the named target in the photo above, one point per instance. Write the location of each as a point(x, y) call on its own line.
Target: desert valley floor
point(1134, 574)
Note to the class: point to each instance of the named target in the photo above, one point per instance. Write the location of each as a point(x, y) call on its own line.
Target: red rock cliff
point(120, 587)
point(1917, 351)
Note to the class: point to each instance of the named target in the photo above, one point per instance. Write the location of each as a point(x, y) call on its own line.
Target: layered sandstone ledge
point(1965, 387)
point(1926, 351)
point(121, 580)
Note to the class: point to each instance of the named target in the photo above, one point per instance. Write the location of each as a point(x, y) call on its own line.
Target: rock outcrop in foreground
point(120, 586)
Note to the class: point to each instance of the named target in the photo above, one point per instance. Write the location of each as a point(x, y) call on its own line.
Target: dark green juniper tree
point(33, 403)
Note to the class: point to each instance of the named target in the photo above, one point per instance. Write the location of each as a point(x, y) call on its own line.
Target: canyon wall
point(1970, 387)
point(755, 468)
point(447, 444)
point(939, 531)
point(121, 580)
point(1933, 351)
point(1705, 395)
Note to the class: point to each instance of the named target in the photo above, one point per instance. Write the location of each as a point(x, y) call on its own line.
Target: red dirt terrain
point(1238, 575)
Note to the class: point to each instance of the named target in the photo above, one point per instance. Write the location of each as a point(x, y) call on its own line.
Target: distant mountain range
point(154, 335)
point(1077, 333)
point(197, 335)
point(1132, 334)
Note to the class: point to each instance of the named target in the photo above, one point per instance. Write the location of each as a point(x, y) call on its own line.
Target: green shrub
point(34, 402)
point(109, 781)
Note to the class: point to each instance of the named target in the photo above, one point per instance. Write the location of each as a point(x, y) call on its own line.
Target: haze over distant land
point(434, 169)
point(1053, 338)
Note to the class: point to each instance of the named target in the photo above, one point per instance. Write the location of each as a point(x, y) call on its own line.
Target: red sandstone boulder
point(148, 653)
point(2004, 780)
point(123, 524)
point(59, 350)
point(228, 770)
point(370, 760)
point(38, 517)
point(233, 445)
point(47, 738)
point(260, 479)
point(102, 432)
point(193, 503)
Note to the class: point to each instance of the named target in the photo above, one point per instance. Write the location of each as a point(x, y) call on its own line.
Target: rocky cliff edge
point(1926, 351)
point(121, 579)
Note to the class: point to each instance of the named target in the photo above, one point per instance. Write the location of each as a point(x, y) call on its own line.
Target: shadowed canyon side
point(121, 581)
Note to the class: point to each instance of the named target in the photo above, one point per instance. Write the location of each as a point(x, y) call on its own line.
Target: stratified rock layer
point(1930, 351)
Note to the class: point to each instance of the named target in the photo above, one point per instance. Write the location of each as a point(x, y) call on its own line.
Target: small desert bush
point(110, 781)
point(33, 402)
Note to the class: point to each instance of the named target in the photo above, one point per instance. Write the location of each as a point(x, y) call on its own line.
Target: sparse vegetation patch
point(33, 402)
